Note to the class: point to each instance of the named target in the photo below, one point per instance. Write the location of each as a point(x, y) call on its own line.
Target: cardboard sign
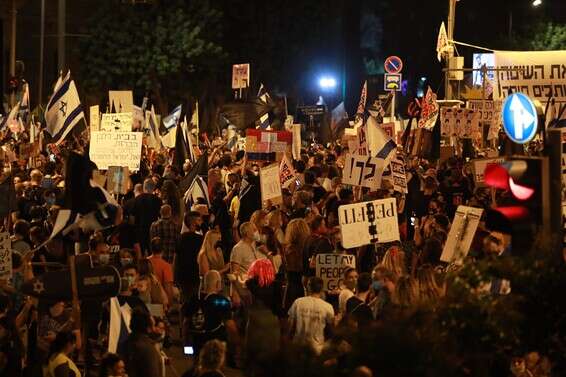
point(116, 122)
point(118, 179)
point(270, 185)
point(463, 123)
point(363, 171)
point(240, 76)
point(267, 145)
point(461, 235)
point(116, 149)
point(429, 110)
point(121, 100)
point(368, 222)
point(362, 141)
point(286, 172)
point(330, 268)
point(479, 166)
point(489, 113)
point(5, 256)
point(94, 118)
point(296, 147)
point(398, 174)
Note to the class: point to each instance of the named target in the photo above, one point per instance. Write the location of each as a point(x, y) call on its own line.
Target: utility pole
point(41, 49)
point(61, 13)
point(450, 55)
point(12, 66)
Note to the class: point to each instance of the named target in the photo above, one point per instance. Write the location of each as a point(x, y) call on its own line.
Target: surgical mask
point(104, 258)
point(377, 285)
point(257, 237)
point(50, 200)
point(125, 261)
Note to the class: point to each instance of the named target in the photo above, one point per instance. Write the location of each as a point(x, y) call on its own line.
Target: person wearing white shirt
point(310, 316)
point(245, 252)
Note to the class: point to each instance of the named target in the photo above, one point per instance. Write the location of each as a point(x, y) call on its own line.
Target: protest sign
point(267, 145)
point(362, 141)
point(240, 76)
point(137, 118)
point(296, 141)
point(398, 174)
point(121, 101)
point(118, 179)
point(367, 222)
point(363, 171)
point(116, 149)
point(429, 111)
point(479, 165)
point(270, 185)
point(461, 235)
point(330, 268)
point(94, 118)
point(5, 256)
point(116, 122)
point(490, 114)
point(286, 172)
point(538, 74)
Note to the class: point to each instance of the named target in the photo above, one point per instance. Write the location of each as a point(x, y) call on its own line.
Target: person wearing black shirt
point(145, 211)
point(185, 264)
point(357, 308)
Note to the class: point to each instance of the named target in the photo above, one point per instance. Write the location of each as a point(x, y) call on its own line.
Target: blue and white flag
point(64, 109)
point(151, 130)
point(11, 118)
point(264, 97)
point(198, 189)
point(24, 104)
point(171, 120)
point(379, 142)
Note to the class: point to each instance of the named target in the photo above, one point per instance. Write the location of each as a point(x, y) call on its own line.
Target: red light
point(520, 192)
point(496, 176)
point(513, 213)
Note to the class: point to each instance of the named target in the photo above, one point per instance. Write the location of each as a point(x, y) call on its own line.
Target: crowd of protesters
point(238, 276)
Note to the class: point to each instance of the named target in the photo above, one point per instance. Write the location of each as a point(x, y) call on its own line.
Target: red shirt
point(161, 269)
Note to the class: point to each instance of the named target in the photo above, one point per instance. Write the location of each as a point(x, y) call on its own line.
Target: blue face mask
point(377, 286)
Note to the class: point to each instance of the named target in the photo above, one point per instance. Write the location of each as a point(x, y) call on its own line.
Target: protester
point(168, 231)
point(142, 359)
point(186, 255)
point(59, 362)
point(112, 365)
point(162, 270)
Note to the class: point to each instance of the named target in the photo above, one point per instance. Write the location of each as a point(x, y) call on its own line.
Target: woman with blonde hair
point(407, 294)
point(210, 256)
point(431, 290)
point(259, 218)
point(211, 359)
point(394, 261)
point(297, 236)
point(275, 222)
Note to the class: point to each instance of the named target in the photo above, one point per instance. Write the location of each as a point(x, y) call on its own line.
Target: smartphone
point(413, 221)
point(188, 350)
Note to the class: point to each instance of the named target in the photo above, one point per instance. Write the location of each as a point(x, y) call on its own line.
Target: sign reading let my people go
point(368, 222)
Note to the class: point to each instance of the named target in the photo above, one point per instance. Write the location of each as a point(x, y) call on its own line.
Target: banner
point(461, 235)
point(116, 122)
point(330, 268)
point(94, 118)
point(463, 123)
point(489, 113)
point(5, 256)
point(363, 171)
point(286, 172)
point(479, 165)
point(116, 149)
point(267, 145)
point(121, 101)
point(368, 222)
point(240, 76)
point(270, 184)
point(538, 74)
point(398, 174)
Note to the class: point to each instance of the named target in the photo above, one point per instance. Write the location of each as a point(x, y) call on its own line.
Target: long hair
point(394, 261)
point(258, 217)
point(263, 271)
point(211, 356)
point(274, 219)
point(407, 293)
point(430, 289)
point(297, 234)
point(208, 248)
point(170, 195)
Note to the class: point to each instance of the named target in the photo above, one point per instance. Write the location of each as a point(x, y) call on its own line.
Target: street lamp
point(327, 83)
point(536, 3)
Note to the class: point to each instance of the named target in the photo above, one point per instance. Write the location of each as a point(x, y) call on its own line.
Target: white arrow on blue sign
point(519, 118)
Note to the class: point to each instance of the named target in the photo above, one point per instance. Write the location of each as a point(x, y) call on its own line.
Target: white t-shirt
point(310, 316)
point(244, 254)
point(344, 296)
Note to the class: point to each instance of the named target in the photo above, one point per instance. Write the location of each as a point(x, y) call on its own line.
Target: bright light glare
point(327, 82)
point(536, 3)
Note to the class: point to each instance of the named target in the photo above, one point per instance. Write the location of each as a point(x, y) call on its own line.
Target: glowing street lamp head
point(536, 3)
point(327, 82)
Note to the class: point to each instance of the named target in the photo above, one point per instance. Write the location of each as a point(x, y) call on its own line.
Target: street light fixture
point(536, 3)
point(327, 82)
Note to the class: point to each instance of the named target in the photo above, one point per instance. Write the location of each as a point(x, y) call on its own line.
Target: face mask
point(104, 258)
point(130, 279)
point(257, 237)
point(125, 261)
point(50, 200)
point(377, 286)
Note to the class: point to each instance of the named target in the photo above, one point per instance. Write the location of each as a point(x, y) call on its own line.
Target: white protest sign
point(296, 146)
point(94, 118)
point(240, 76)
point(121, 100)
point(116, 122)
point(286, 172)
point(367, 222)
point(116, 149)
point(5, 256)
point(362, 141)
point(479, 166)
point(330, 268)
point(363, 171)
point(461, 235)
point(489, 113)
point(538, 74)
point(399, 175)
point(270, 185)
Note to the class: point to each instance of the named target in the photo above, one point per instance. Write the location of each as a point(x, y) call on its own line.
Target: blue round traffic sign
point(519, 118)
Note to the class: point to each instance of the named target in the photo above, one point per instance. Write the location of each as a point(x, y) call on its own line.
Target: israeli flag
point(380, 144)
point(64, 109)
point(171, 120)
point(11, 117)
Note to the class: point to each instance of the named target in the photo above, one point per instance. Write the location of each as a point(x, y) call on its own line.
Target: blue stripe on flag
point(60, 93)
point(386, 150)
point(76, 112)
